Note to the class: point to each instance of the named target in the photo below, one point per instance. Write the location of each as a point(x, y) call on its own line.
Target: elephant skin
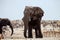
point(32, 20)
point(4, 22)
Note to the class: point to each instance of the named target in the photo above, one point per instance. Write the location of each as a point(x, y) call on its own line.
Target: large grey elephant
point(4, 22)
point(32, 20)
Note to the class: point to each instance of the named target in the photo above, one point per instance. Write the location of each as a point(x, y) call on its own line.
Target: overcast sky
point(13, 9)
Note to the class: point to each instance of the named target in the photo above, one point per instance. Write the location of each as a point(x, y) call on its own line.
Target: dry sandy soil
point(18, 35)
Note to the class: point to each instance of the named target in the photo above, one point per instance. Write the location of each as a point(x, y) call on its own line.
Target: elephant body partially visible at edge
point(32, 20)
point(4, 22)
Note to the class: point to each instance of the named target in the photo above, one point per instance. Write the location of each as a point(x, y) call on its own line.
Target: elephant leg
point(30, 31)
point(1, 30)
point(1, 35)
point(36, 33)
point(25, 31)
point(39, 32)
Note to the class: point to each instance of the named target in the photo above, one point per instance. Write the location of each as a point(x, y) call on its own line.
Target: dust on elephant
point(32, 20)
point(4, 22)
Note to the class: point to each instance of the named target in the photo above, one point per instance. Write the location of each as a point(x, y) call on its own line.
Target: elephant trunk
point(11, 29)
point(25, 31)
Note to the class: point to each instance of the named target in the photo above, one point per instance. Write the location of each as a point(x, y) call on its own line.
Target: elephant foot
point(30, 37)
point(39, 36)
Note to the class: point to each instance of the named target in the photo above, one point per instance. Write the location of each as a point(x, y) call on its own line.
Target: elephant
point(26, 19)
point(32, 20)
point(4, 22)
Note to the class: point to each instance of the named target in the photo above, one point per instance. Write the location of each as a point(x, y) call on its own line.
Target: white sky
point(13, 9)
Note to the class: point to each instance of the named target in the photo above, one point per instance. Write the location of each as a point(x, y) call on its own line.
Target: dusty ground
point(18, 35)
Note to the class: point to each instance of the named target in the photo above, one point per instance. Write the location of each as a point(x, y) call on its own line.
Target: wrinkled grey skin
point(26, 19)
point(5, 22)
point(28, 13)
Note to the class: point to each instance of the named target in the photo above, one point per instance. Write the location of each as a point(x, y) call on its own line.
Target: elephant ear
point(38, 11)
